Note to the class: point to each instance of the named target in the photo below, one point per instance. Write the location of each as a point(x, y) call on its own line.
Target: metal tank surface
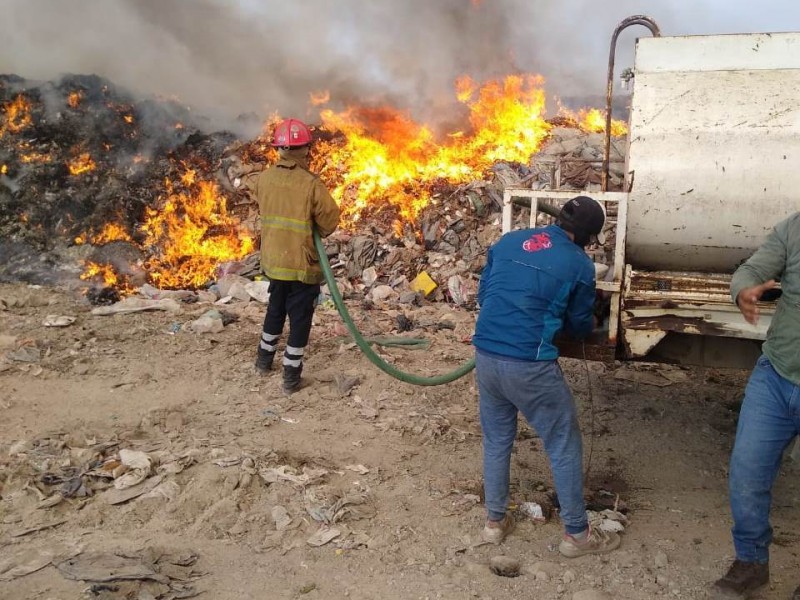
point(714, 156)
point(712, 164)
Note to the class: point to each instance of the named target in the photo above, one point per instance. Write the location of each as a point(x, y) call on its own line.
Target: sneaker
point(741, 580)
point(597, 542)
point(494, 532)
point(264, 362)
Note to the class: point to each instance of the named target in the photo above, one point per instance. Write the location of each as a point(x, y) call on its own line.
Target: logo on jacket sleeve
point(538, 241)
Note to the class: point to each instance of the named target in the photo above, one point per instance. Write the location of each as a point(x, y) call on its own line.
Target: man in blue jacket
point(536, 283)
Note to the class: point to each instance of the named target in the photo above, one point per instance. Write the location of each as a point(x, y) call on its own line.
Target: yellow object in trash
point(423, 283)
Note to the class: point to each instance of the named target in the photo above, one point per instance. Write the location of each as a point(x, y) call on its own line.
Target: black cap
point(583, 217)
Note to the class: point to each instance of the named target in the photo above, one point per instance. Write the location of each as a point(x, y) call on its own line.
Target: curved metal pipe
point(634, 20)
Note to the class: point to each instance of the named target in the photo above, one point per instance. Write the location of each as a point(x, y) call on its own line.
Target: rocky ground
point(357, 486)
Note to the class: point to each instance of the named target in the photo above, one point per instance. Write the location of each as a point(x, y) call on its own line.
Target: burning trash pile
point(128, 184)
point(138, 194)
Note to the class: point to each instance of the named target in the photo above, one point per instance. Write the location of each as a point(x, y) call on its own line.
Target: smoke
point(230, 57)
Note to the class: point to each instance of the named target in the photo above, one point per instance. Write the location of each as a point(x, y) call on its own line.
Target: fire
point(192, 233)
point(188, 177)
point(82, 163)
point(110, 278)
point(111, 232)
point(594, 121)
point(385, 155)
point(178, 125)
point(35, 157)
point(17, 115)
point(105, 273)
point(74, 99)
point(3, 169)
point(319, 98)
point(128, 119)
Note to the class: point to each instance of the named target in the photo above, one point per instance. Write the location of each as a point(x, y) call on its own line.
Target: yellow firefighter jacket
point(292, 201)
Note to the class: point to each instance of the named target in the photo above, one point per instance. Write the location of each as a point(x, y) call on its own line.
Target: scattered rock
point(661, 559)
point(58, 321)
point(258, 291)
point(544, 571)
point(382, 293)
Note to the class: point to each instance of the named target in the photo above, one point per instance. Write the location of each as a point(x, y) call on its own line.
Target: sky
point(229, 57)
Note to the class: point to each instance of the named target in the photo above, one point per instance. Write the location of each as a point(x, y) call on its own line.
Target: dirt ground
point(241, 475)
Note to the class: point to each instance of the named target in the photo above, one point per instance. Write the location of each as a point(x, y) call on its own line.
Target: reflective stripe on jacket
point(291, 201)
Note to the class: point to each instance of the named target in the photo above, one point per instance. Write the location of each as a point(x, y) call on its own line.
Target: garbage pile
point(127, 192)
point(78, 153)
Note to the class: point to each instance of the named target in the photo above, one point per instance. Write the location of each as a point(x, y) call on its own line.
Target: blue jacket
point(536, 282)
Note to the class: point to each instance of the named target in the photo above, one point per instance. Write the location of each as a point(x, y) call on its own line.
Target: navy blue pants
point(297, 301)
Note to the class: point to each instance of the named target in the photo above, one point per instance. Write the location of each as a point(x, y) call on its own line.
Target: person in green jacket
point(291, 201)
point(770, 414)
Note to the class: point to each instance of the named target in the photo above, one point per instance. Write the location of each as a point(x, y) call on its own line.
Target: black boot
point(291, 378)
point(264, 361)
point(741, 580)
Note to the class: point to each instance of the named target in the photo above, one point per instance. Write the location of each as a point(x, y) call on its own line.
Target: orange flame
point(193, 233)
point(109, 277)
point(128, 118)
point(82, 163)
point(593, 120)
point(111, 232)
point(386, 156)
point(17, 115)
point(105, 273)
point(3, 169)
point(74, 99)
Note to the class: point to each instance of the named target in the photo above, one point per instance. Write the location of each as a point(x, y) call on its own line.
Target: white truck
point(711, 164)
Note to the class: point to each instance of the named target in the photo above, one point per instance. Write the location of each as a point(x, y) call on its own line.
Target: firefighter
point(292, 201)
point(536, 282)
point(770, 415)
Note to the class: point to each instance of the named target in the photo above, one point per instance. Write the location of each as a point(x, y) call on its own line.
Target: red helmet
point(291, 133)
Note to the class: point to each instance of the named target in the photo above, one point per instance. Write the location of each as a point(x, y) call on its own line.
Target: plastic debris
point(423, 283)
point(134, 305)
point(286, 473)
point(209, 322)
point(533, 510)
point(323, 536)
point(58, 321)
point(281, 518)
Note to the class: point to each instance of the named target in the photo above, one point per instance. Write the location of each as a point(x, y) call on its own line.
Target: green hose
point(365, 345)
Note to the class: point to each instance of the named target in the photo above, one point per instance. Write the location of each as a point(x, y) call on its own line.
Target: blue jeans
point(539, 392)
point(768, 422)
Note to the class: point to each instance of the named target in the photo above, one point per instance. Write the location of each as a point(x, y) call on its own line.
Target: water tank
point(714, 157)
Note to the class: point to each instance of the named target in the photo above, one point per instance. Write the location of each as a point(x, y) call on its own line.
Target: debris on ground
point(152, 573)
point(133, 304)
